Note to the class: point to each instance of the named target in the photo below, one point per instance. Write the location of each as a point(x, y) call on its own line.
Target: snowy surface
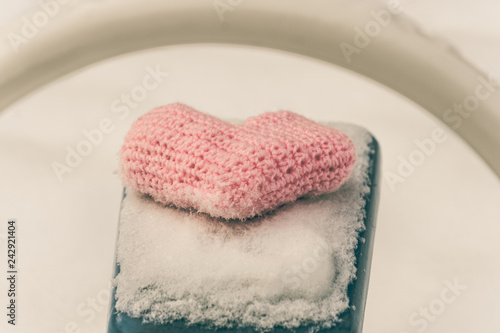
point(289, 268)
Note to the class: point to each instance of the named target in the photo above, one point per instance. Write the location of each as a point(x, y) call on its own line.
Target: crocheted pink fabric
point(183, 157)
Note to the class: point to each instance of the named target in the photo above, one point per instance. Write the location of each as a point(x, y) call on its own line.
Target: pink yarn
point(183, 157)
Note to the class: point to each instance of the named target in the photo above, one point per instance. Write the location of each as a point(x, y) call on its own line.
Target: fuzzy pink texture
point(183, 157)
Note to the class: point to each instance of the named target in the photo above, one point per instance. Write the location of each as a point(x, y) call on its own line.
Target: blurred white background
point(441, 224)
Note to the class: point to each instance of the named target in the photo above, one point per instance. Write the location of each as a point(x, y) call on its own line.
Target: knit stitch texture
point(189, 159)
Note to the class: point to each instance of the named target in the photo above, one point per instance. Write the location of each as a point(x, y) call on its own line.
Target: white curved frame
point(426, 71)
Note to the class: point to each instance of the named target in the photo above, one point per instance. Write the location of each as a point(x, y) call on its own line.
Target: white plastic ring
point(392, 51)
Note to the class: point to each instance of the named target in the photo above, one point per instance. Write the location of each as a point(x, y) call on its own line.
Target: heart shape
point(186, 158)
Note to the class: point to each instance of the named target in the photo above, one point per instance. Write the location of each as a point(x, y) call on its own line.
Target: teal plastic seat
point(351, 320)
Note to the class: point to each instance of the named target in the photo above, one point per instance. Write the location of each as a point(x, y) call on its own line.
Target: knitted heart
point(183, 157)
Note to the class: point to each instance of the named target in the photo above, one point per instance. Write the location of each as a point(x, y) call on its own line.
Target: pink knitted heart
point(183, 157)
